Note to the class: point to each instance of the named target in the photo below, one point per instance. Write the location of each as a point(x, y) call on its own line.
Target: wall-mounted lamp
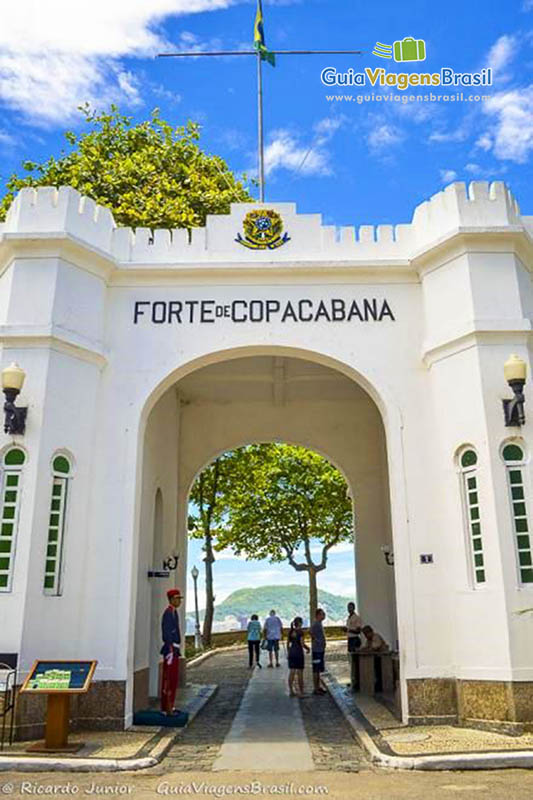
point(12, 382)
point(169, 565)
point(388, 554)
point(515, 371)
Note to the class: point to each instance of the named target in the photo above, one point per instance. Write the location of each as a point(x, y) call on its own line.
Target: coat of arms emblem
point(263, 230)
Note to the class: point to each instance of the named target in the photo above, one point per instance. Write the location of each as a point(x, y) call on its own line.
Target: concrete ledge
point(204, 656)
point(165, 738)
point(455, 761)
point(50, 764)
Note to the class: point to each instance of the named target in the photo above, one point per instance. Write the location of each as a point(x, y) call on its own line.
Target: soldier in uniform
point(170, 629)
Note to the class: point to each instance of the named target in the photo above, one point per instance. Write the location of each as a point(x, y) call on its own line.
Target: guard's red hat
point(173, 593)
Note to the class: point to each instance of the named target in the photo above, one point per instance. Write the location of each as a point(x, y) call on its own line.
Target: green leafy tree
point(150, 175)
point(284, 501)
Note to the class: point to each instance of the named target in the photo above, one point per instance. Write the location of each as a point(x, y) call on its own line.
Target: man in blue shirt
point(170, 630)
point(273, 631)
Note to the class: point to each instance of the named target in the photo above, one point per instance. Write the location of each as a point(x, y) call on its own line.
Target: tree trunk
point(313, 594)
point(209, 596)
point(209, 558)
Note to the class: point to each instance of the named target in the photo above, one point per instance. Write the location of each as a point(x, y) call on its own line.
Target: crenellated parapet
point(48, 212)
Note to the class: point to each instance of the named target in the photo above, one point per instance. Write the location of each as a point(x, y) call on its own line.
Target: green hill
point(289, 601)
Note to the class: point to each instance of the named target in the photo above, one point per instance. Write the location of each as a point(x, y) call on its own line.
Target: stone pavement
point(197, 746)
point(268, 731)
point(330, 738)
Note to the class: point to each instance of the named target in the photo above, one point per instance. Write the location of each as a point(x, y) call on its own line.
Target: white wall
point(348, 433)
point(458, 281)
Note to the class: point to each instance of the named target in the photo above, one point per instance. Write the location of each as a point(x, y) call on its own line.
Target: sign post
point(58, 680)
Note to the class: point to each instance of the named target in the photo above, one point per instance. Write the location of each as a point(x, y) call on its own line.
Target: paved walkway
point(267, 732)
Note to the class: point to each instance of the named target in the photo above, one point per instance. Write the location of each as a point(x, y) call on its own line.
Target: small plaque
point(72, 677)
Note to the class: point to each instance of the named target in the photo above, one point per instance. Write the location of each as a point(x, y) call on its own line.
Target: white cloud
point(511, 137)
point(158, 90)
point(285, 151)
point(343, 547)
point(484, 142)
point(457, 135)
point(233, 139)
point(501, 54)
point(479, 172)
point(325, 129)
point(228, 555)
point(448, 175)
point(70, 53)
point(384, 136)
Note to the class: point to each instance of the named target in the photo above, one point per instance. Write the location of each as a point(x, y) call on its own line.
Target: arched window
point(468, 468)
point(61, 472)
point(514, 458)
point(12, 463)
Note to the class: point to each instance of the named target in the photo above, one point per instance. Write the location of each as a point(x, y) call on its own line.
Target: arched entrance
point(263, 395)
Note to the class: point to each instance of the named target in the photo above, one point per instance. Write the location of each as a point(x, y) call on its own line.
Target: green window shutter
point(13, 462)
point(61, 464)
point(56, 525)
point(512, 452)
point(14, 457)
point(469, 458)
point(519, 512)
point(468, 462)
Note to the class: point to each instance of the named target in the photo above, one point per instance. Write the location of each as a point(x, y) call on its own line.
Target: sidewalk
point(389, 743)
point(107, 751)
point(268, 731)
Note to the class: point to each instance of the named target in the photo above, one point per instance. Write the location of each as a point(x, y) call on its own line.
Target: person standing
point(254, 638)
point(170, 631)
point(273, 632)
point(318, 650)
point(353, 631)
point(296, 646)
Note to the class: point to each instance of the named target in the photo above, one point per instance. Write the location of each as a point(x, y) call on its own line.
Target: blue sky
point(232, 573)
point(354, 163)
point(365, 163)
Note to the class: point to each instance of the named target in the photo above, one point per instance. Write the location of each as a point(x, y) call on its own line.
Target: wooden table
point(363, 672)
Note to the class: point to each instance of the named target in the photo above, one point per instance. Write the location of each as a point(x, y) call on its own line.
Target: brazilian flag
point(259, 37)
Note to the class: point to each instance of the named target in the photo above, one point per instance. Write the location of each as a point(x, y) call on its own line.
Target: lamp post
point(197, 636)
point(515, 372)
point(14, 417)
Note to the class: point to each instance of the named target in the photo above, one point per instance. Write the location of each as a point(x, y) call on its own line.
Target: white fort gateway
point(147, 354)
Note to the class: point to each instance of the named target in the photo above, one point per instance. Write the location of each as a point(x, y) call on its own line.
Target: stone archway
point(276, 397)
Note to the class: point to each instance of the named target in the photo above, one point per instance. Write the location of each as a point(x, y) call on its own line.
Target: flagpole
point(260, 143)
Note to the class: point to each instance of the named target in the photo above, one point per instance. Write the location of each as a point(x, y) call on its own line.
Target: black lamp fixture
point(170, 564)
point(14, 417)
point(515, 371)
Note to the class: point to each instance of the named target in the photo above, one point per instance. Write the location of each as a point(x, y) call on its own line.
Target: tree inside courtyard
point(286, 503)
point(208, 505)
point(150, 174)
